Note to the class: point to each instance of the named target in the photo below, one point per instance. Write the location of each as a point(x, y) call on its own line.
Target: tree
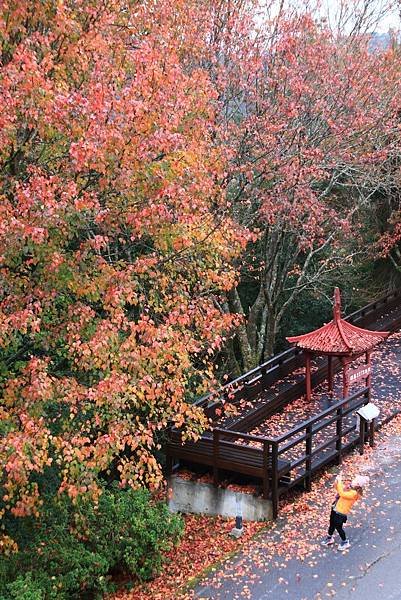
point(306, 112)
point(114, 240)
point(384, 215)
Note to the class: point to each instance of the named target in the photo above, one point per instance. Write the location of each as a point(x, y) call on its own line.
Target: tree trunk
point(232, 368)
point(248, 357)
point(254, 320)
point(271, 332)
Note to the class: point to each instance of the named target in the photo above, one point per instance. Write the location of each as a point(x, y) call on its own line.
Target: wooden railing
point(270, 371)
point(220, 437)
point(232, 449)
point(312, 458)
point(370, 312)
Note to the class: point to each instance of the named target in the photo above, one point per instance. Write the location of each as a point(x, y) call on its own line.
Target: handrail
point(273, 362)
point(245, 436)
point(302, 438)
point(371, 307)
point(298, 429)
point(321, 415)
point(310, 453)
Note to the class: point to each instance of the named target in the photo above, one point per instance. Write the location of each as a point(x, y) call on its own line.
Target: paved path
point(370, 570)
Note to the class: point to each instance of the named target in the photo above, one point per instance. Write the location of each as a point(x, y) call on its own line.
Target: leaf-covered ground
point(205, 542)
point(286, 552)
point(287, 560)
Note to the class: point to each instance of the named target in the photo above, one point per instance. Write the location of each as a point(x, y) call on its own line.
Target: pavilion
point(342, 340)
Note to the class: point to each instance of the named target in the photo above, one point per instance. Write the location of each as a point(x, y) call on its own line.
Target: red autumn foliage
point(112, 245)
point(311, 122)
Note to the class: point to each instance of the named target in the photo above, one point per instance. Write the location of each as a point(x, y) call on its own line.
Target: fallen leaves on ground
point(304, 517)
point(295, 535)
point(205, 541)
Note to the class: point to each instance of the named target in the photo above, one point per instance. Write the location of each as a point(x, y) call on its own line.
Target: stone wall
point(204, 498)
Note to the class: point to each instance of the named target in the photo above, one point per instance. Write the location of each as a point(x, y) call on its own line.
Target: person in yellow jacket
point(344, 501)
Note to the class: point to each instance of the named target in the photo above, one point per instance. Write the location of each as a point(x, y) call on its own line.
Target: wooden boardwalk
point(291, 456)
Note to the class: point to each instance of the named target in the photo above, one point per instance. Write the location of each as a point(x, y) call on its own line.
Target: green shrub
point(132, 532)
point(24, 588)
point(73, 551)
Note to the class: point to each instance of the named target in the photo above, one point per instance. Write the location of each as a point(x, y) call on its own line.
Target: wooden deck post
point(369, 377)
point(265, 470)
point(308, 462)
point(339, 431)
point(275, 479)
point(216, 435)
point(361, 434)
point(372, 433)
point(308, 375)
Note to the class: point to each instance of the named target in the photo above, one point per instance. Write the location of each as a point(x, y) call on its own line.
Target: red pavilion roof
point(339, 336)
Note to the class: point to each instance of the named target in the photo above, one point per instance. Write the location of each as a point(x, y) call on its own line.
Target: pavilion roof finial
point(337, 305)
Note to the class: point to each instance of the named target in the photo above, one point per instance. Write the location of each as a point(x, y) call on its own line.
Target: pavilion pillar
point(308, 376)
point(330, 372)
point(345, 378)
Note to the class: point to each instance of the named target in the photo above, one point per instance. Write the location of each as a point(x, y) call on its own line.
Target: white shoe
point(328, 541)
point(344, 545)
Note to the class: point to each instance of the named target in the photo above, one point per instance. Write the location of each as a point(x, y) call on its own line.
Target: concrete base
point(204, 498)
point(236, 533)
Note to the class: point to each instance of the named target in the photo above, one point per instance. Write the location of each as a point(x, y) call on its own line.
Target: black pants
point(336, 522)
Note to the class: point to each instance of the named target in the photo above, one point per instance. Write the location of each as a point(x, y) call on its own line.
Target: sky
point(384, 14)
point(382, 22)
